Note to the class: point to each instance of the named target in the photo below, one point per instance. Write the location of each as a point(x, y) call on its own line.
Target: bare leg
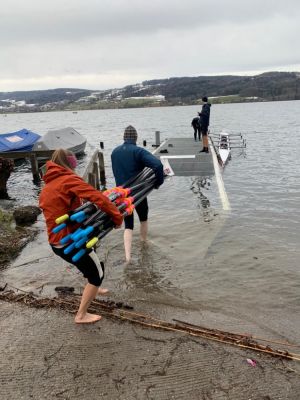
point(205, 141)
point(102, 291)
point(88, 295)
point(127, 243)
point(144, 231)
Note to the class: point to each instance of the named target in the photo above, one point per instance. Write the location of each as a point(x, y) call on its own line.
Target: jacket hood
point(54, 171)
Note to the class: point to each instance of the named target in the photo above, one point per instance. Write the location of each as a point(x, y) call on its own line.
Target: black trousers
point(197, 131)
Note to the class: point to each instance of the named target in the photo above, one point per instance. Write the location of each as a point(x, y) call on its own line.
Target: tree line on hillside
point(270, 86)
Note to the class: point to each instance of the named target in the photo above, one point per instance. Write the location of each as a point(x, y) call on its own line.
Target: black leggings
point(142, 211)
point(89, 264)
point(197, 130)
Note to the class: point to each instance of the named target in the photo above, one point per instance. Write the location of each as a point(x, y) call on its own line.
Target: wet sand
point(45, 356)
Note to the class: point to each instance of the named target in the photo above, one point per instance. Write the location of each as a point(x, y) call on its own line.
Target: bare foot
point(87, 319)
point(102, 291)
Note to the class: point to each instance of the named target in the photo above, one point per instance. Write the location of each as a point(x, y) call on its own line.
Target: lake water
point(242, 265)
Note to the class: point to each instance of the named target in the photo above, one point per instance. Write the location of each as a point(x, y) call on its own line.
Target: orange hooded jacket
point(63, 192)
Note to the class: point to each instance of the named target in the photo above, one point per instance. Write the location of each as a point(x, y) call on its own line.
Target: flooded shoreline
point(236, 271)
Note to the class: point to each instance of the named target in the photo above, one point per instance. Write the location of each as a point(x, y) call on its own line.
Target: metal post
point(157, 138)
point(144, 143)
point(101, 145)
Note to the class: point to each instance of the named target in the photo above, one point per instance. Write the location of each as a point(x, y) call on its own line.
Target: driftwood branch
point(70, 303)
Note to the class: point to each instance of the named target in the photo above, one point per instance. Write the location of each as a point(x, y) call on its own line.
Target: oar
point(140, 196)
point(95, 239)
point(98, 217)
point(64, 217)
point(145, 173)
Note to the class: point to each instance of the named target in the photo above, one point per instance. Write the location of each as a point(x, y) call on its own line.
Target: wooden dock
point(94, 173)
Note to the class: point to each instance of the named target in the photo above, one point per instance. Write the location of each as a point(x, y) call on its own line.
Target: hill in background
point(269, 86)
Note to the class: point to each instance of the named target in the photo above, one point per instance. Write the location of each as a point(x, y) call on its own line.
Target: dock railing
point(95, 171)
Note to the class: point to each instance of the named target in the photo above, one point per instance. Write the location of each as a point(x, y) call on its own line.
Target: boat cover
point(22, 140)
point(66, 138)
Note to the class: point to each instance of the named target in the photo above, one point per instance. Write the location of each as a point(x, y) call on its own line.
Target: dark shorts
point(89, 264)
point(142, 212)
point(204, 129)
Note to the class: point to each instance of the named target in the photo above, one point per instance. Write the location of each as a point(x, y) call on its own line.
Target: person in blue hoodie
point(128, 160)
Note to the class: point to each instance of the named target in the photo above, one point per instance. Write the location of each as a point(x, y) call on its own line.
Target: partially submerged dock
point(184, 157)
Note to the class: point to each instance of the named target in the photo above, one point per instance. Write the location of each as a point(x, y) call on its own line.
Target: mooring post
point(102, 169)
point(144, 143)
point(157, 138)
point(34, 168)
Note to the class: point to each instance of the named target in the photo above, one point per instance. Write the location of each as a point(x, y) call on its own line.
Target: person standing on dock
point(63, 191)
point(204, 122)
point(128, 160)
point(197, 128)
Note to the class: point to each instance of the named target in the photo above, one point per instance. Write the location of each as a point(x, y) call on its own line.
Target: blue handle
point(76, 235)
point(81, 242)
point(78, 255)
point(66, 239)
point(88, 230)
point(68, 249)
point(77, 215)
point(81, 219)
point(58, 228)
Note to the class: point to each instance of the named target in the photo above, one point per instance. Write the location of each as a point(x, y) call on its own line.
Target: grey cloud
point(69, 20)
point(108, 43)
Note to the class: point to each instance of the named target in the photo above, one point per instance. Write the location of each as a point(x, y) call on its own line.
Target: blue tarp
point(22, 140)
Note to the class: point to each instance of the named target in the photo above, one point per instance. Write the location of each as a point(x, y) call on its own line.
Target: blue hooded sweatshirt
point(128, 160)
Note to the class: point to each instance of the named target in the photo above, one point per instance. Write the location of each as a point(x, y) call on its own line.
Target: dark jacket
point(196, 122)
point(129, 159)
point(205, 114)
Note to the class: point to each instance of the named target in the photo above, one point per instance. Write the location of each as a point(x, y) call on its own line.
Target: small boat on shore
point(22, 140)
point(66, 138)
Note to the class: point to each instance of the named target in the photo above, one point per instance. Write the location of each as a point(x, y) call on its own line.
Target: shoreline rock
point(15, 232)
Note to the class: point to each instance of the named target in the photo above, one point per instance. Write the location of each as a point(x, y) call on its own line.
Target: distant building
point(158, 98)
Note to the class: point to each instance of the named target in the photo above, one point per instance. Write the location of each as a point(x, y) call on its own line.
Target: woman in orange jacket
point(64, 191)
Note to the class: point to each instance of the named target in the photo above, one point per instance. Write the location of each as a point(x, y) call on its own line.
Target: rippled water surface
point(242, 263)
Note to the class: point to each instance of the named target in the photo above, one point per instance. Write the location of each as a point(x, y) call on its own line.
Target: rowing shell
point(224, 147)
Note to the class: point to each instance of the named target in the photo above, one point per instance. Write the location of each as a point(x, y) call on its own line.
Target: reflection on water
point(197, 187)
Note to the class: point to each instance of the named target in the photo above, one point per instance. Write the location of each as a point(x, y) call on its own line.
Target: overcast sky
point(101, 44)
